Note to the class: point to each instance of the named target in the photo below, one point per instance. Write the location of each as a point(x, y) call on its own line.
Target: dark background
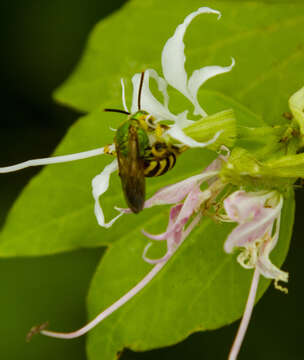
point(40, 42)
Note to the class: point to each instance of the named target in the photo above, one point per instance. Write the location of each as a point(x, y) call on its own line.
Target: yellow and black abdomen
point(159, 166)
point(158, 160)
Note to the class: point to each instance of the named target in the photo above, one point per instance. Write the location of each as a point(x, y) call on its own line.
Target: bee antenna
point(117, 110)
point(140, 89)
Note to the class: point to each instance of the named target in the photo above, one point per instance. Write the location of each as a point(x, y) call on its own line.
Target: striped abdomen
point(156, 166)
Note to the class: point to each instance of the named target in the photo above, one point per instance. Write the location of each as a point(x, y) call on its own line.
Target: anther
point(36, 330)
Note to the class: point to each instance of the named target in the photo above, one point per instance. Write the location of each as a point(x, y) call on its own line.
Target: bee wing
point(131, 172)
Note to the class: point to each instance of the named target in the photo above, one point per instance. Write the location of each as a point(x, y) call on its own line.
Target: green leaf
point(266, 40)
point(201, 288)
point(55, 212)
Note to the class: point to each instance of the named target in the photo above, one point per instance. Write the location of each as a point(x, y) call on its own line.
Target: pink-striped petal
point(243, 206)
point(175, 193)
point(249, 232)
point(255, 216)
point(174, 212)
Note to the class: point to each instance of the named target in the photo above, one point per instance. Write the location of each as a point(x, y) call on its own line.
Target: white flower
point(173, 60)
point(173, 65)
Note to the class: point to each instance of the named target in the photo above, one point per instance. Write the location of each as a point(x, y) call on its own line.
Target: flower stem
point(246, 317)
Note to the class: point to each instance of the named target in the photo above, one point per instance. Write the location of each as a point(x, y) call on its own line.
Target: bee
point(137, 158)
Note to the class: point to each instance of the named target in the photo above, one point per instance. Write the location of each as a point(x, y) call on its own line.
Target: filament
point(123, 95)
point(124, 299)
point(246, 317)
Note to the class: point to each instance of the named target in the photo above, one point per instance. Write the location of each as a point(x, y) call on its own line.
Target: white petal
point(162, 85)
point(100, 185)
point(199, 77)
point(52, 160)
point(123, 95)
point(148, 102)
point(182, 120)
point(177, 133)
point(266, 267)
point(173, 57)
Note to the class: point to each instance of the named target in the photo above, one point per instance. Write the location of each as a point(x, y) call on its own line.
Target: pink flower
point(187, 199)
point(258, 217)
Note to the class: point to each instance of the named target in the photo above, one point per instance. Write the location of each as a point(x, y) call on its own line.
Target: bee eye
point(159, 149)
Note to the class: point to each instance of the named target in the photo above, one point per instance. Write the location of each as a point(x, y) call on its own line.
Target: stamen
point(280, 287)
point(246, 317)
point(116, 305)
point(35, 330)
point(124, 299)
point(123, 95)
point(52, 160)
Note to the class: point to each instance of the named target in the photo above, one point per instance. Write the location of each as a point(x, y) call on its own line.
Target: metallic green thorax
point(131, 143)
point(122, 134)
